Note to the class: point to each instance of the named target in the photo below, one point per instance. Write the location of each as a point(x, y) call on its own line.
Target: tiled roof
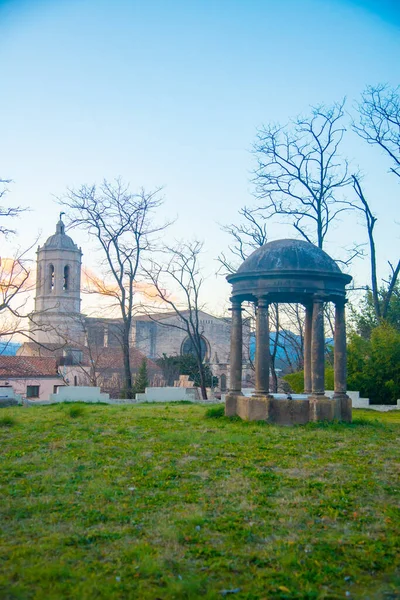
point(27, 366)
point(104, 358)
point(112, 359)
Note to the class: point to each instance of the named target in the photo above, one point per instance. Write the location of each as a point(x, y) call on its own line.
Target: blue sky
point(170, 93)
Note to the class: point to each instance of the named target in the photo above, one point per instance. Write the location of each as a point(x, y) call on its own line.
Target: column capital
point(236, 304)
point(340, 302)
point(319, 299)
point(263, 301)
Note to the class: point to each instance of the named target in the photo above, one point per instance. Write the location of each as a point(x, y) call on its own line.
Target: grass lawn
point(161, 501)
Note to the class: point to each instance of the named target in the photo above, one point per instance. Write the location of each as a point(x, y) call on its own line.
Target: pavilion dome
point(287, 256)
point(289, 271)
point(60, 240)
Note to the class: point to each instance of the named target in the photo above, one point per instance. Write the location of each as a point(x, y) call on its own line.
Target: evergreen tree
point(141, 381)
point(185, 364)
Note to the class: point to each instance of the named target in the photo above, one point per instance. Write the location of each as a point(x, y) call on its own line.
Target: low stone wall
point(358, 402)
point(78, 394)
point(169, 394)
point(88, 394)
point(112, 401)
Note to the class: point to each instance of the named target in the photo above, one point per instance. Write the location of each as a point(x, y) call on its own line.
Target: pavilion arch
point(187, 347)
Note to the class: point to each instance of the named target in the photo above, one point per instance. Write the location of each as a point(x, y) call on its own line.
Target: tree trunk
point(274, 376)
point(129, 393)
point(202, 381)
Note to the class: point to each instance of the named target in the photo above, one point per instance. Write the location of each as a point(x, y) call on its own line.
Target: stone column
point(235, 386)
point(342, 401)
point(340, 366)
point(307, 348)
point(262, 347)
point(318, 348)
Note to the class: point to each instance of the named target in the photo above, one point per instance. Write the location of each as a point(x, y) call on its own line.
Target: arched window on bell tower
point(51, 278)
point(66, 278)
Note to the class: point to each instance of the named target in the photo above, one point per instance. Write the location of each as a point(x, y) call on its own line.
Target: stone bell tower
point(57, 318)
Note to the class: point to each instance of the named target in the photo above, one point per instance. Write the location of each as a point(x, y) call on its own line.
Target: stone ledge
point(4, 402)
point(287, 411)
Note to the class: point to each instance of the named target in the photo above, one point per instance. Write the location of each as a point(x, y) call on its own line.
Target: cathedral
point(59, 328)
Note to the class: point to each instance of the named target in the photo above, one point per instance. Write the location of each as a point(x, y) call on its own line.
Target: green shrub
point(215, 412)
point(296, 380)
point(374, 365)
point(76, 411)
point(7, 421)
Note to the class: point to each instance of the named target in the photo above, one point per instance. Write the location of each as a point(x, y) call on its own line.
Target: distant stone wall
point(78, 394)
point(169, 394)
point(358, 402)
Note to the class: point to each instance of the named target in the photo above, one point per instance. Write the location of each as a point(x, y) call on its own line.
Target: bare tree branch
point(379, 120)
point(381, 306)
point(181, 271)
point(7, 211)
point(122, 224)
point(301, 174)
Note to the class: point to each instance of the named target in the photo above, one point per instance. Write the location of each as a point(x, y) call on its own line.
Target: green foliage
point(374, 364)
point(170, 366)
point(7, 421)
point(145, 502)
point(141, 381)
point(76, 411)
point(296, 380)
point(364, 320)
point(185, 364)
point(215, 412)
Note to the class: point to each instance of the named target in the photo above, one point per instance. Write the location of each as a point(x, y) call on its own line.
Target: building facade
point(57, 320)
point(57, 314)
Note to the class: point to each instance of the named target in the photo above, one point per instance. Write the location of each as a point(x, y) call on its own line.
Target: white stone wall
point(79, 394)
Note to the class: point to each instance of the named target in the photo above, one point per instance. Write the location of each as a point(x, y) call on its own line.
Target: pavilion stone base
point(288, 412)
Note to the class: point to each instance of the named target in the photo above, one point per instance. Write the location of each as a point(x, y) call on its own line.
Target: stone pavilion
point(290, 271)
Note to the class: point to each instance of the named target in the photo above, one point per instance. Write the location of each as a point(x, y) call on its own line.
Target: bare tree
point(291, 336)
point(379, 121)
point(181, 271)
point(14, 283)
point(379, 124)
point(91, 352)
point(122, 224)
point(249, 235)
point(301, 174)
point(14, 274)
point(7, 211)
point(381, 305)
